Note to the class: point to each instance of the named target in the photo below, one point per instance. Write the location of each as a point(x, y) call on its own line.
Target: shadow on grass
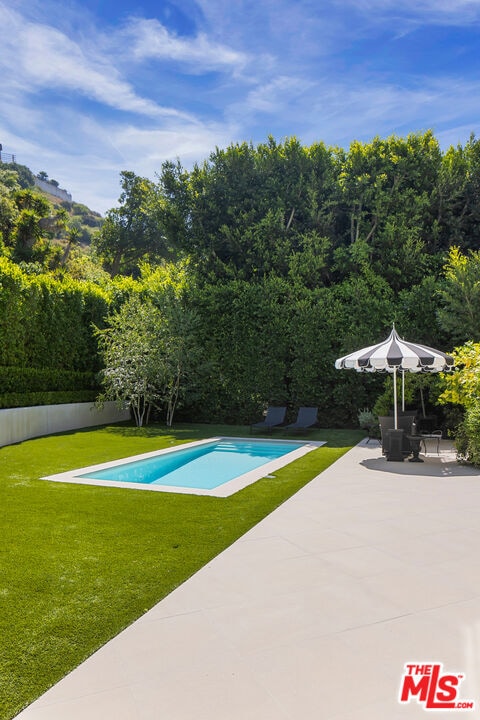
point(336, 438)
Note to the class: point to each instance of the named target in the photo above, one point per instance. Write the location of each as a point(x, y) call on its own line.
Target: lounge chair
point(307, 416)
point(275, 416)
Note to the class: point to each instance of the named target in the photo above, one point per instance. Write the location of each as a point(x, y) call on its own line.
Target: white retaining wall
point(17, 424)
point(53, 189)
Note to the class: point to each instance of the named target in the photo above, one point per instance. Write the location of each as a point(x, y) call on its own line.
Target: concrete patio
point(311, 615)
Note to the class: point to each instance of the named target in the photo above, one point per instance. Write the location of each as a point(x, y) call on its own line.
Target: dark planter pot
point(404, 423)
point(394, 445)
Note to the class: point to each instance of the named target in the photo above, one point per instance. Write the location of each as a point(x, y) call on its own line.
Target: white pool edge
point(225, 490)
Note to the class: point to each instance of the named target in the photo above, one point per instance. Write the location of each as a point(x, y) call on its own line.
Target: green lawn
point(79, 563)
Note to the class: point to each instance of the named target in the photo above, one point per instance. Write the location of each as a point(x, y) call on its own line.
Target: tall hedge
point(244, 331)
point(276, 342)
point(47, 322)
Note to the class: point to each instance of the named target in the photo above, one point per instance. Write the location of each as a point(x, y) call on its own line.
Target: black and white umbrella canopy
point(395, 354)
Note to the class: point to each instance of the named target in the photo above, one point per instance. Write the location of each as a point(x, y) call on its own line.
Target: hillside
point(80, 216)
point(86, 220)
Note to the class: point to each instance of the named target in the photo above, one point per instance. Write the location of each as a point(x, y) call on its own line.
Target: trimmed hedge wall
point(48, 352)
point(21, 387)
point(47, 322)
point(15, 400)
point(27, 380)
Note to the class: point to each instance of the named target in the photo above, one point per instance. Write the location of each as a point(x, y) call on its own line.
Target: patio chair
point(434, 435)
point(307, 416)
point(404, 422)
point(274, 416)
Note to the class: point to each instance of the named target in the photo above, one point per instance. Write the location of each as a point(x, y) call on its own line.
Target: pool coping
point(228, 488)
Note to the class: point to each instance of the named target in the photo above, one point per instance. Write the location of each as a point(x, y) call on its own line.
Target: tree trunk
point(172, 401)
point(290, 220)
point(66, 254)
point(116, 263)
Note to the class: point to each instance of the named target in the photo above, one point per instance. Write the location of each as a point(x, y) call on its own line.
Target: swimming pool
point(218, 466)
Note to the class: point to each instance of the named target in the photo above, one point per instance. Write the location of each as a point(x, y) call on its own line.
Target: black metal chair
point(434, 435)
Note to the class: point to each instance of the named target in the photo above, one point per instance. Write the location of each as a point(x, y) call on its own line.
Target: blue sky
point(90, 88)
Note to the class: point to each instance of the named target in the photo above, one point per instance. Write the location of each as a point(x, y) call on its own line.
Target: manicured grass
point(78, 563)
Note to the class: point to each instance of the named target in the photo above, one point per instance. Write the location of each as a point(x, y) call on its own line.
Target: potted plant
point(368, 421)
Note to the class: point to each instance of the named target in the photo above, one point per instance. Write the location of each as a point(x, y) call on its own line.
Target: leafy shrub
point(467, 439)
point(366, 419)
point(462, 388)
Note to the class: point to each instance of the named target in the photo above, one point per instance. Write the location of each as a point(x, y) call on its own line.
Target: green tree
point(309, 265)
point(184, 360)
point(134, 371)
point(455, 208)
point(74, 233)
point(459, 313)
point(150, 353)
point(8, 207)
point(242, 213)
point(132, 232)
point(462, 388)
point(383, 202)
point(32, 209)
point(25, 176)
point(188, 367)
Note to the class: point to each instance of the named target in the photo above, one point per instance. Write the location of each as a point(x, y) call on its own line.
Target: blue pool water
point(204, 466)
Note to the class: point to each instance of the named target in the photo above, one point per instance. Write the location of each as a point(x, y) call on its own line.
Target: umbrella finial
point(394, 330)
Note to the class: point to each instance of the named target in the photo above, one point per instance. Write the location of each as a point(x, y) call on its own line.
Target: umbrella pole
point(403, 390)
point(395, 412)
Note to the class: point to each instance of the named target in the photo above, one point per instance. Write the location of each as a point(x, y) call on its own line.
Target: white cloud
point(342, 112)
point(143, 152)
point(90, 167)
point(282, 90)
point(432, 12)
point(43, 121)
point(37, 57)
point(152, 40)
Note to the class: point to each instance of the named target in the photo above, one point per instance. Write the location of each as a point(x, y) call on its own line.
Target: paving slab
point(313, 613)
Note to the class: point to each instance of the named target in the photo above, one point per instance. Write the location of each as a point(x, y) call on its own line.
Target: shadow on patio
point(441, 464)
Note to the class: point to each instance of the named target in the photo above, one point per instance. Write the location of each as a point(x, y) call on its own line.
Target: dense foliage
point(462, 388)
point(22, 386)
point(36, 229)
point(287, 257)
point(318, 214)
point(46, 322)
point(134, 229)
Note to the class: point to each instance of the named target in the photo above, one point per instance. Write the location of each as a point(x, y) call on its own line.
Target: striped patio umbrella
point(395, 354)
